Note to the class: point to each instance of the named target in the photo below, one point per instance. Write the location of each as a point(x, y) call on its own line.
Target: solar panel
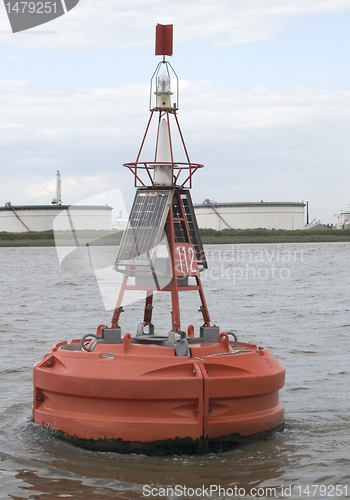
point(145, 227)
point(193, 228)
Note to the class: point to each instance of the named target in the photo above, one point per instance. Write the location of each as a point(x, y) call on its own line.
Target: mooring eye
point(229, 332)
point(82, 342)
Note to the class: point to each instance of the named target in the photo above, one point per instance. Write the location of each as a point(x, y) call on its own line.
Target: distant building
point(22, 218)
point(250, 215)
point(343, 220)
point(119, 223)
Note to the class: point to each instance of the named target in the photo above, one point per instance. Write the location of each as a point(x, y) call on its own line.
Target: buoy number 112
point(186, 260)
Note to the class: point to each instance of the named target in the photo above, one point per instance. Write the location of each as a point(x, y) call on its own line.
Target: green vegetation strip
point(209, 236)
point(236, 236)
point(60, 238)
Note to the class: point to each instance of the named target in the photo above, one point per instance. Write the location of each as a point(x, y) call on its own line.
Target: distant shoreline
point(240, 236)
point(209, 236)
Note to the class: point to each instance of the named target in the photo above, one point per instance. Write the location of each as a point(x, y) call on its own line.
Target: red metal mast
point(162, 177)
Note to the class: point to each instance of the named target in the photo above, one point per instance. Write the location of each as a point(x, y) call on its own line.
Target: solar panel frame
point(145, 228)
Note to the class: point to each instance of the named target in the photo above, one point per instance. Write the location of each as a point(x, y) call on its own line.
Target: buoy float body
point(142, 398)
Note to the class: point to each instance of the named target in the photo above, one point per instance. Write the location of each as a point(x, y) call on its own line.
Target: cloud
point(256, 144)
point(115, 117)
point(40, 190)
point(95, 24)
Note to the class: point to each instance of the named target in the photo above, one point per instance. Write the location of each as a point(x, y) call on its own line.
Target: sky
point(264, 100)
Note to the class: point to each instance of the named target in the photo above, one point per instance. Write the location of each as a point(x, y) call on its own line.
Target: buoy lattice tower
point(162, 207)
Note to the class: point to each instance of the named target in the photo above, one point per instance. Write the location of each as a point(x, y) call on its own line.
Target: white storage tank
point(22, 218)
point(250, 215)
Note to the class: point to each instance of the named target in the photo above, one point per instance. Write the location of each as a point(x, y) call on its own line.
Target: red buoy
point(167, 390)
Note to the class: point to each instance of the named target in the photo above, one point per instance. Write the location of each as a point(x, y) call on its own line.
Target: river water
point(291, 298)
